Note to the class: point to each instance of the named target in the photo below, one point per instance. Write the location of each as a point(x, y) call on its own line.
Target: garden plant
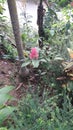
point(45, 94)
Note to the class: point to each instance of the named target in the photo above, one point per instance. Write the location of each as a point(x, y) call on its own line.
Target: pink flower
point(34, 53)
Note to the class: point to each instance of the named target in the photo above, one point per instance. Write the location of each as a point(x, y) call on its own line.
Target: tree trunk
point(16, 31)
point(40, 23)
point(15, 25)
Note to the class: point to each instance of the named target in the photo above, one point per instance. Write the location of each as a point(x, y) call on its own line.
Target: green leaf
point(26, 63)
point(52, 32)
point(43, 60)
point(6, 89)
point(4, 98)
point(43, 73)
point(4, 95)
point(35, 63)
point(3, 128)
point(5, 112)
point(59, 58)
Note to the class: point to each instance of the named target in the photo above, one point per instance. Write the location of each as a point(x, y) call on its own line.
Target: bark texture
point(40, 23)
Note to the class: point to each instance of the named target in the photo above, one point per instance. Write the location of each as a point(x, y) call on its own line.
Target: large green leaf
point(6, 89)
point(43, 60)
point(5, 112)
point(35, 63)
point(4, 95)
point(59, 58)
point(26, 63)
point(52, 32)
point(4, 98)
point(3, 128)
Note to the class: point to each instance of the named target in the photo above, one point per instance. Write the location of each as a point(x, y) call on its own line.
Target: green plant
point(33, 60)
point(36, 114)
point(7, 45)
point(46, 68)
point(31, 114)
point(63, 3)
point(28, 33)
point(3, 128)
point(10, 51)
point(5, 110)
point(58, 31)
point(2, 1)
point(29, 37)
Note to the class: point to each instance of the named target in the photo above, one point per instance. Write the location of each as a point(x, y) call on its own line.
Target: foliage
point(2, 1)
point(45, 55)
point(47, 68)
point(10, 50)
point(5, 110)
point(36, 114)
point(6, 38)
point(3, 128)
point(51, 107)
point(61, 3)
point(58, 30)
point(28, 34)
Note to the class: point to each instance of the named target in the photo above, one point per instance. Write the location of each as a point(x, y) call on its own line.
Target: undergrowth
point(44, 113)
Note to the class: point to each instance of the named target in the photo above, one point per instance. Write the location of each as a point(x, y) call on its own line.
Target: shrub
point(36, 114)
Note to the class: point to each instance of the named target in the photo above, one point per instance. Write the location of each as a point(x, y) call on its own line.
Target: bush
point(36, 114)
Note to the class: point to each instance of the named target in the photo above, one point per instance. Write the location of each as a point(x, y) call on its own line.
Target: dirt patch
point(9, 75)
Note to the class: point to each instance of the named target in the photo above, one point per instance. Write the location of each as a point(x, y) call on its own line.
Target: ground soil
point(9, 76)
